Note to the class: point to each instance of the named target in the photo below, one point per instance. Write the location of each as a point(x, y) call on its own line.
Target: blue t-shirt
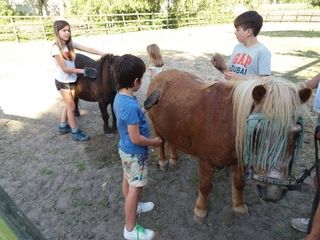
point(128, 112)
point(255, 60)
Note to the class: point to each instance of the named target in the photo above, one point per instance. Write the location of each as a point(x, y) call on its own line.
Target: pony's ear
point(218, 62)
point(258, 93)
point(305, 94)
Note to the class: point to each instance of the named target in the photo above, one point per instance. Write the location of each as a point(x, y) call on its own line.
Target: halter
point(258, 146)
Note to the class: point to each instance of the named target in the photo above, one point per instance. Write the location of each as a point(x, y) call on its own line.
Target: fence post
point(138, 17)
point(107, 24)
point(43, 28)
point(296, 20)
point(152, 18)
point(88, 26)
point(15, 32)
point(124, 21)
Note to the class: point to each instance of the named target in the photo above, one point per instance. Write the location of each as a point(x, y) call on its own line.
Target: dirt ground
point(72, 190)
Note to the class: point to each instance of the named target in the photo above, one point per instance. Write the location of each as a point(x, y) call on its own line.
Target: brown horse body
point(101, 90)
point(199, 120)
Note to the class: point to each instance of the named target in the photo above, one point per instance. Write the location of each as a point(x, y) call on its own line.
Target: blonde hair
point(281, 104)
point(154, 55)
point(57, 26)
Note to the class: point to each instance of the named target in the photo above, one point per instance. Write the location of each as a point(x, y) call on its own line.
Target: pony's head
point(269, 116)
point(105, 70)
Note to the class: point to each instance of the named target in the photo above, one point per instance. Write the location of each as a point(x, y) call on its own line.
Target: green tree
point(315, 3)
point(93, 7)
point(41, 6)
point(6, 9)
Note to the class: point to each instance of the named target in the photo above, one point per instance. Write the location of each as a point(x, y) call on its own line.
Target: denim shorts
point(135, 168)
point(61, 85)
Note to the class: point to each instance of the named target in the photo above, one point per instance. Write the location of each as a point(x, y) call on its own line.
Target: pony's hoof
point(200, 220)
point(242, 210)
point(163, 165)
point(200, 213)
point(109, 135)
point(173, 163)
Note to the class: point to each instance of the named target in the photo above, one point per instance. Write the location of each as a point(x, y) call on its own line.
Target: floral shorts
point(135, 168)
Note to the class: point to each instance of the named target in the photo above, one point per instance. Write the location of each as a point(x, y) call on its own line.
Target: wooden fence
point(24, 28)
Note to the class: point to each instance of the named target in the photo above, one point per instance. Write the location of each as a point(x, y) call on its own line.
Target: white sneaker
point(301, 224)
point(144, 207)
point(138, 233)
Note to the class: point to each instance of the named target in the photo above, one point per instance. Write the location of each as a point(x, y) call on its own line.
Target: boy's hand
point(228, 75)
point(156, 142)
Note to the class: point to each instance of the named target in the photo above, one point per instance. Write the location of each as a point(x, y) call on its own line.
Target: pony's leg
point(163, 163)
point(76, 111)
point(173, 155)
point(238, 184)
point(206, 174)
point(105, 116)
point(114, 119)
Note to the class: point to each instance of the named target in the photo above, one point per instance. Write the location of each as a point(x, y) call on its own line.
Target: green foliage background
point(6, 9)
point(100, 7)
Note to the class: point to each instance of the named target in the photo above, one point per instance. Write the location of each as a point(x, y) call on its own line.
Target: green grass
point(80, 164)
point(46, 171)
point(291, 33)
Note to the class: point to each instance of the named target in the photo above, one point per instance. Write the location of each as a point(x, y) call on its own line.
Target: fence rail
point(24, 28)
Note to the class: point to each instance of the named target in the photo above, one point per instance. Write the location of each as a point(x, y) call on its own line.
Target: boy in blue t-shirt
point(133, 145)
point(249, 57)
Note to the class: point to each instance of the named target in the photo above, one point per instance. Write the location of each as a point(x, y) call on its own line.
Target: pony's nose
point(271, 193)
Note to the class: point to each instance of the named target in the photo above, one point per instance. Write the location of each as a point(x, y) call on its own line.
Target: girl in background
point(155, 60)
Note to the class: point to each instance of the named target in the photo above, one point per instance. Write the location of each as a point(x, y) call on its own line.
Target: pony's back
point(82, 61)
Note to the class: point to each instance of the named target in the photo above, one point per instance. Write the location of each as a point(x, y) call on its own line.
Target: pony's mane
point(104, 67)
point(211, 83)
point(281, 106)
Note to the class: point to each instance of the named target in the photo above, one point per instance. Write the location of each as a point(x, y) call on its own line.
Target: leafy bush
point(5, 9)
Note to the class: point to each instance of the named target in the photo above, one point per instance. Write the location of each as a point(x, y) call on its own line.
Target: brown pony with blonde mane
point(101, 90)
point(212, 122)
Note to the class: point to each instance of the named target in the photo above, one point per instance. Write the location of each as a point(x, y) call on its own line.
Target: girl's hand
point(156, 142)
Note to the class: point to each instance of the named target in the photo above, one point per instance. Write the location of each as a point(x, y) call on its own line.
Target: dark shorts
point(61, 85)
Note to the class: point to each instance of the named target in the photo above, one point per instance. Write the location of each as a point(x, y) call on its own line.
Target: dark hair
point(249, 19)
point(126, 69)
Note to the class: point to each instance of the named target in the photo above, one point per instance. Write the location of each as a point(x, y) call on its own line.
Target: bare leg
point(238, 184)
point(206, 174)
point(130, 206)
point(68, 112)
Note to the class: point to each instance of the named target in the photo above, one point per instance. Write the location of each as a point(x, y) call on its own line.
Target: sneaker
point(144, 207)
point(79, 136)
point(65, 129)
point(138, 233)
point(300, 224)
